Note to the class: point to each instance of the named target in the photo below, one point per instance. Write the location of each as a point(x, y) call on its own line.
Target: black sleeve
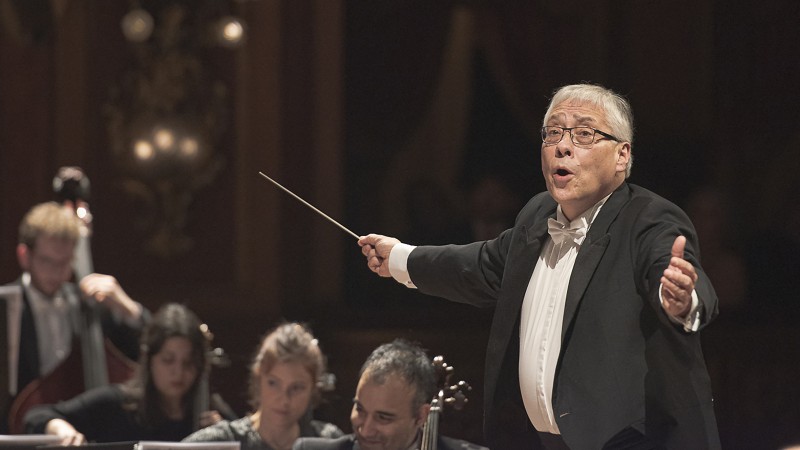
point(124, 337)
point(86, 412)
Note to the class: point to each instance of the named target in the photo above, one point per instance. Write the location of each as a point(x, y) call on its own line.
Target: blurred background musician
point(156, 404)
point(45, 321)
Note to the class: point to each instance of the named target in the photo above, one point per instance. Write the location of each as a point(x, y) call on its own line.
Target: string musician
point(43, 321)
point(286, 382)
point(391, 405)
point(158, 403)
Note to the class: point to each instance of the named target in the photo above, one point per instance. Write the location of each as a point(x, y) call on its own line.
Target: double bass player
point(43, 319)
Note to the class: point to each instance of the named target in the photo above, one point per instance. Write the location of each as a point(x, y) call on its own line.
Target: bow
point(559, 232)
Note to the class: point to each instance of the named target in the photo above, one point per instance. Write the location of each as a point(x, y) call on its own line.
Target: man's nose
point(564, 146)
point(367, 427)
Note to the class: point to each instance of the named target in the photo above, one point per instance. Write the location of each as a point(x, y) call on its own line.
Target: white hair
point(618, 111)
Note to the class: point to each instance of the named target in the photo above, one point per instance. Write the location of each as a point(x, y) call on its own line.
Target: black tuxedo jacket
point(123, 336)
point(349, 443)
point(623, 364)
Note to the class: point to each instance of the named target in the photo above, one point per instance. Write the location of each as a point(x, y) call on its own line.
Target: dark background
point(387, 115)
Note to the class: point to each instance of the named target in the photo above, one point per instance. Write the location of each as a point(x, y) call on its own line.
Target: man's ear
point(623, 151)
point(23, 256)
point(422, 414)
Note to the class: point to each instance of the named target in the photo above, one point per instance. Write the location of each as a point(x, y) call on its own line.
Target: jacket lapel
point(591, 253)
point(523, 254)
point(527, 257)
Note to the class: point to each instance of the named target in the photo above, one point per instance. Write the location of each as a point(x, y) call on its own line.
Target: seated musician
point(396, 386)
point(45, 319)
point(284, 387)
point(158, 403)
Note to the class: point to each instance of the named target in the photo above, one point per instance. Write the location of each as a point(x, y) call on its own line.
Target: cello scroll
point(448, 394)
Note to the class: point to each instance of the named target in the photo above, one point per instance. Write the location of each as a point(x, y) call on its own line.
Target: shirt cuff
point(692, 320)
point(398, 264)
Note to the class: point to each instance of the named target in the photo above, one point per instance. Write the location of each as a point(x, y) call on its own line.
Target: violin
point(449, 394)
point(94, 361)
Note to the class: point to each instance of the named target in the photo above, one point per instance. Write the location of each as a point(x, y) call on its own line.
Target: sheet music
point(12, 295)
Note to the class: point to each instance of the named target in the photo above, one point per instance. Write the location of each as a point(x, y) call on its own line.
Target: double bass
point(94, 361)
point(448, 394)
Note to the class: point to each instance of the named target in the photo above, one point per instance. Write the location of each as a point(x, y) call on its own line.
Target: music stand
point(5, 395)
point(26, 441)
point(10, 313)
point(159, 445)
point(124, 445)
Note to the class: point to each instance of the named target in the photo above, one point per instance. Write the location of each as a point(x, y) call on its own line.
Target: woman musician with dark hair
point(156, 404)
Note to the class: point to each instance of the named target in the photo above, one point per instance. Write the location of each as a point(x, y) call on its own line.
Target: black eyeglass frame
point(572, 136)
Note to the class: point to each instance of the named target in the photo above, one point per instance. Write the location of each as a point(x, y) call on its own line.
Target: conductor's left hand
point(377, 248)
point(677, 283)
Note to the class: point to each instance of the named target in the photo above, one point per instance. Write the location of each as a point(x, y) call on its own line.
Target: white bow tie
point(559, 232)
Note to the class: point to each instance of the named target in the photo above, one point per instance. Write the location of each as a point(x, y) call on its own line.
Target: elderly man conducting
point(598, 297)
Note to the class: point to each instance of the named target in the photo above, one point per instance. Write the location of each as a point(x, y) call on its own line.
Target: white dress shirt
point(542, 318)
point(53, 318)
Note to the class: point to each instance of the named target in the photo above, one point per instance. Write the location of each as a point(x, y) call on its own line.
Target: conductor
point(598, 297)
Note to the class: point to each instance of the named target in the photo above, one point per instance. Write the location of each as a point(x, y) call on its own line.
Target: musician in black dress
point(392, 402)
point(285, 378)
point(157, 404)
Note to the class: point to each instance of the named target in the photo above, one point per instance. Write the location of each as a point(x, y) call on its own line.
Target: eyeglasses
point(583, 136)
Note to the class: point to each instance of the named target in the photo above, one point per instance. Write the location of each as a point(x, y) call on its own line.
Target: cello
point(93, 361)
point(205, 400)
point(449, 394)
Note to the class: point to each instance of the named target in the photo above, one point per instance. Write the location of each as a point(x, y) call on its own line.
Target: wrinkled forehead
point(576, 112)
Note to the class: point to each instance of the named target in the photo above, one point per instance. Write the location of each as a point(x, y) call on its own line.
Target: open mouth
point(563, 172)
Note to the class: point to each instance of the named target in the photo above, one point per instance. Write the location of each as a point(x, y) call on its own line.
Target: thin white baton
point(310, 205)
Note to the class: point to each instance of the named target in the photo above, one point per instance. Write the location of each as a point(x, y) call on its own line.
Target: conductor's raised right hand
point(377, 248)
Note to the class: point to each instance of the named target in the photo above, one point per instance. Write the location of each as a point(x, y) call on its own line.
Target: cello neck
point(430, 432)
point(449, 394)
point(202, 400)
